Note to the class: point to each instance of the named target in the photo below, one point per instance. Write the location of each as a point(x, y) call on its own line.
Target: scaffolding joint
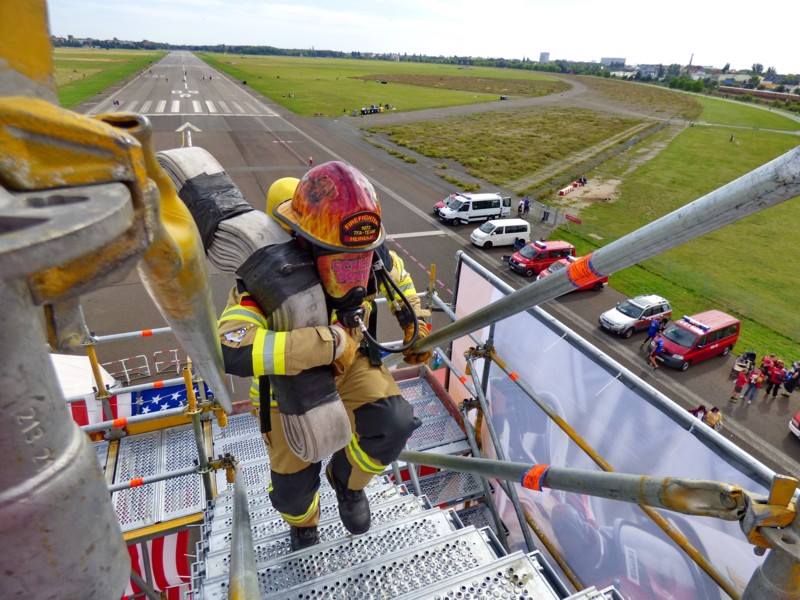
point(764, 519)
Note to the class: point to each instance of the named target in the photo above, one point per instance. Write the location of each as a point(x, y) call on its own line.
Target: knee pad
point(293, 493)
point(384, 426)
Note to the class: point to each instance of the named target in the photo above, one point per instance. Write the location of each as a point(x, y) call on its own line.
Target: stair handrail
point(243, 580)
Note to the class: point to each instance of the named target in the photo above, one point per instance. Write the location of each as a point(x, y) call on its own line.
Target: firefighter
point(334, 214)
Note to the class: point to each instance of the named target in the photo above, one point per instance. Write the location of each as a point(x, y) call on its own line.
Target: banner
point(605, 542)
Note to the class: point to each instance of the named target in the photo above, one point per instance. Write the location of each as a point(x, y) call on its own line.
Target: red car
point(539, 255)
point(697, 338)
point(595, 284)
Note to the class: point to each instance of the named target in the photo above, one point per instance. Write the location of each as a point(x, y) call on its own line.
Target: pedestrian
point(526, 206)
point(741, 381)
point(713, 418)
point(663, 324)
point(657, 350)
point(792, 379)
point(652, 331)
point(699, 412)
point(775, 378)
point(754, 380)
point(310, 162)
point(766, 363)
point(520, 207)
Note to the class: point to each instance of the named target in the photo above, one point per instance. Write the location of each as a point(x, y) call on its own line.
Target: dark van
point(694, 339)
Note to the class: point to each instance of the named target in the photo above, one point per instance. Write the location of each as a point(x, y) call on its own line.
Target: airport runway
point(257, 142)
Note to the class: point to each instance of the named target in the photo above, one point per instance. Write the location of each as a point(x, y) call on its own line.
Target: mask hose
point(392, 288)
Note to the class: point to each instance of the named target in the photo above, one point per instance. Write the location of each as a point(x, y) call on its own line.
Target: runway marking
point(146, 106)
point(130, 106)
point(253, 109)
point(176, 106)
point(196, 106)
point(211, 107)
point(237, 106)
point(223, 106)
point(161, 105)
point(414, 234)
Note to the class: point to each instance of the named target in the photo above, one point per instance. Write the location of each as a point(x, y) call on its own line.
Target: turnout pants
point(381, 420)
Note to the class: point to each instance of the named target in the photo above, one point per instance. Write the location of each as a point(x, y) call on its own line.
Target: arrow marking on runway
point(186, 126)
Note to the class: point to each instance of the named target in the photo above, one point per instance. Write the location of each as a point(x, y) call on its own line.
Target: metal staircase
point(414, 549)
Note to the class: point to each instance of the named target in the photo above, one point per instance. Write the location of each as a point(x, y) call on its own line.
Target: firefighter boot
point(303, 537)
point(353, 505)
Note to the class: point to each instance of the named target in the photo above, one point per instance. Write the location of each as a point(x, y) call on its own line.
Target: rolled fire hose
point(239, 239)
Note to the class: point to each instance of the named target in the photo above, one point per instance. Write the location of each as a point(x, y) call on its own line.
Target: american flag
point(168, 566)
point(89, 410)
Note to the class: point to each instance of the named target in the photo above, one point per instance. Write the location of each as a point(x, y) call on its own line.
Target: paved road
point(258, 142)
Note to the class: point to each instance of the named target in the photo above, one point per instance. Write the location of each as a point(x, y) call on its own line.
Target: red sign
point(572, 218)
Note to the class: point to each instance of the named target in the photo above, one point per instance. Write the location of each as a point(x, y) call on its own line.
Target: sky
point(716, 32)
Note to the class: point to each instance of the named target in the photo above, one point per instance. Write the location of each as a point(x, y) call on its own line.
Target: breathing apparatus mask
point(345, 277)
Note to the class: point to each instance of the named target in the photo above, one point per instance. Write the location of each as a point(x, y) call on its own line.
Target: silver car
point(635, 314)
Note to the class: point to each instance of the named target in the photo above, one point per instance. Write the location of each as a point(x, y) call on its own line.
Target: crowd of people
point(772, 374)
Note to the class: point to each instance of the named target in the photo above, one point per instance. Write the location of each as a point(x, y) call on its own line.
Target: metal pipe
point(194, 412)
point(102, 393)
point(487, 490)
point(398, 476)
point(766, 186)
point(498, 448)
point(123, 422)
point(776, 577)
point(139, 481)
point(243, 581)
point(146, 588)
point(115, 337)
point(47, 462)
point(412, 475)
point(688, 496)
point(134, 388)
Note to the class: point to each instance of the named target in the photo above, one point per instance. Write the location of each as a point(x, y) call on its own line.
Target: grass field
point(504, 146)
point(747, 268)
point(734, 113)
point(484, 85)
point(83, 72)
point(650, 99)
point(332, 86)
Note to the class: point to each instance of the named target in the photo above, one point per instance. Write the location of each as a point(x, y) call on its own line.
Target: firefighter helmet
point(335, 208)
point(280, 191)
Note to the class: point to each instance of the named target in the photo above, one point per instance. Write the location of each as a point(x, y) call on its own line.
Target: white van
point(463, 208)
point(501, 232)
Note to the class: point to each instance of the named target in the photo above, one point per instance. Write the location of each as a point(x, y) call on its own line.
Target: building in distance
point(607, 61)
point(544, 57)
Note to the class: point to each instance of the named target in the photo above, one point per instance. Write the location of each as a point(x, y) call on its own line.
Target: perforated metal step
point(150, 454)
point(324, 559)
point(402, 572)
point(423, 399)
point(446, 487)
point(509, 578)
point(434, 432)
point(242, 425)
point(271, 538)
point(376, 494)
point(478, 516)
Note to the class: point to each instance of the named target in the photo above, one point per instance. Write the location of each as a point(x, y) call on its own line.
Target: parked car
point(501, 232)
point(696, 338)
point(535, 257)
point(794, 424)
point(596, 283)
point(463, 208)
point(635, 314)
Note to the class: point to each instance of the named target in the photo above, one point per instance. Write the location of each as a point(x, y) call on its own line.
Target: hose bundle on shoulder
point(282, 280)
